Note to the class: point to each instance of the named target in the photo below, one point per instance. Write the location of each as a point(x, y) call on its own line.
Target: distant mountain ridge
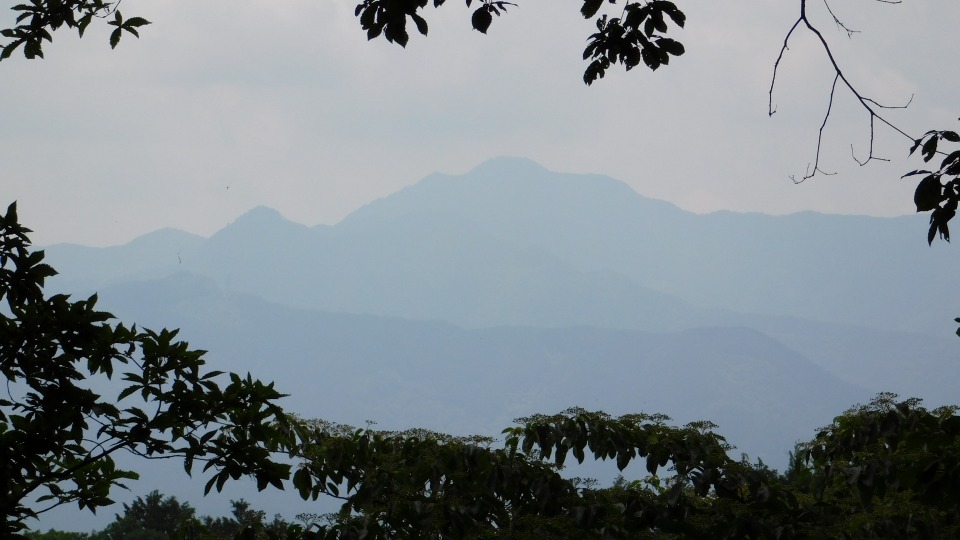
point(492, 246)
point(401, 373)
point(512, 243)
point(464, 301)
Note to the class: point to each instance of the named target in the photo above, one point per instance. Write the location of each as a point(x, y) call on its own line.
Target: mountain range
point(462, 302)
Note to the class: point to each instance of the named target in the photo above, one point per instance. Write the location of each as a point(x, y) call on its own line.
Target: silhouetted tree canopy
point(79, 388)
point(888, 469)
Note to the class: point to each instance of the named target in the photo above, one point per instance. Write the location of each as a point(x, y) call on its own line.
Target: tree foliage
point(79, 388)
point(246, 522)
point(888, 469)
point(635, 35)
point(939, 190)
point(147, 518)
point(38, 19)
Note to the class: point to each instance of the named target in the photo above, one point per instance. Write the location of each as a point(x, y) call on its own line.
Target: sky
point(224, 105)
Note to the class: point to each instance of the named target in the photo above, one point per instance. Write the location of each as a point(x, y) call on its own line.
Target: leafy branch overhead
point(939, 191)
point(634, 36)
point(37, 20)
point(389, 17)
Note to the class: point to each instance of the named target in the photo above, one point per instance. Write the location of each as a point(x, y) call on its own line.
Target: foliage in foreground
point(156, 517)
point(79, 389)
point(889, 469)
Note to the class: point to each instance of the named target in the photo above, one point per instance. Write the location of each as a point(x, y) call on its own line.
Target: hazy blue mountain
point(854, 269)
point(764, 394)
point(401, 373)
point(154, 254)
point(513, 243)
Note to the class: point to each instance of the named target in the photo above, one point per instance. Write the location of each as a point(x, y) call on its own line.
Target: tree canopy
point(888, 469)
point(80, 388)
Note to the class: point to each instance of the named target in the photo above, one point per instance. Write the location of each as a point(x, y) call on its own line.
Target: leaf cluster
point(37, 20)
point(636, 36)
point(939, 191)
point(389, 17)
point(632, 38)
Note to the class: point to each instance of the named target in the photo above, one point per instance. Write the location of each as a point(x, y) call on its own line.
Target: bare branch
point(869, 104)
point(776, 65)
point(826, 116)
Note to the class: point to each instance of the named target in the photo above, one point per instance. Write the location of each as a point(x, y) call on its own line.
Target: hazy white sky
point(223, 105)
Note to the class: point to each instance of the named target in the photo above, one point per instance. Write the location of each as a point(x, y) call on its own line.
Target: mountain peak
point(260, 214)
point(508, 165)
point(260, 222)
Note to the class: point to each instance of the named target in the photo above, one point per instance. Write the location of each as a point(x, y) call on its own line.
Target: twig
point(850, 32)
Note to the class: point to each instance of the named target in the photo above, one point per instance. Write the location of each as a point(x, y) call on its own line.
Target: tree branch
point(870, 105)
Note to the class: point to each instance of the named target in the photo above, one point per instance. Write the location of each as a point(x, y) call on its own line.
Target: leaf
point(950, 162)
point(396, 32)
point(929, 148)
point(590, 8)
point(303, 483)
point(127, 391)
point(481, 19)
point(942, 226)
point(938, 223)
point(674, 494)
point(115, 38)
point(135, 22)
point(8, 50)
point(928, 194)
point(678, 17)
point(420, 22)
point(951, 136)
point(83, 23)
point(953, 169)
point(915, 172)
point(916, 144)
point(31, 50)
point(672, 46)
